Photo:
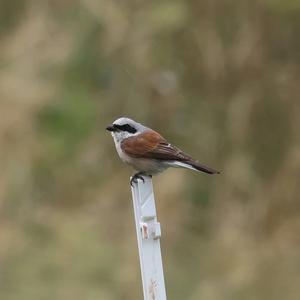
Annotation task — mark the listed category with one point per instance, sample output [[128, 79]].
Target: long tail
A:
[[196, 166]]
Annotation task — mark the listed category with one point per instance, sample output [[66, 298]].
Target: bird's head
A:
[[123, 128]]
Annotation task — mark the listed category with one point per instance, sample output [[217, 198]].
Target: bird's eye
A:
[[126, 127]]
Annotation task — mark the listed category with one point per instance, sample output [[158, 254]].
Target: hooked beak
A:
[[111, 128]]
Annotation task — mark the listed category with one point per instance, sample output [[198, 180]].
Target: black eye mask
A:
[[125, 127]]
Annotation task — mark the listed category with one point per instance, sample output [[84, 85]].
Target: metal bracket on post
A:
[[148, 235]]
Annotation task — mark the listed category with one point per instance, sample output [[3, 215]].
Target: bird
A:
[[148, 152]]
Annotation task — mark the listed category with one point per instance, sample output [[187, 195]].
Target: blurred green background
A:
[[220, 79]]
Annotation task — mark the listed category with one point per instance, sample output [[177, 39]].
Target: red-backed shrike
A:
[[147, 151]]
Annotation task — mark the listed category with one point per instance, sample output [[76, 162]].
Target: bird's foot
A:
[[137, 176]]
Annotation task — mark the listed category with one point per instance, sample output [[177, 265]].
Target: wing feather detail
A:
[[151, 144]]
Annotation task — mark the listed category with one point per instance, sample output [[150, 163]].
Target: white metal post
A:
[[148, 235]]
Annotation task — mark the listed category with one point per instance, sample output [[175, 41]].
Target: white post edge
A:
[[148, 235]]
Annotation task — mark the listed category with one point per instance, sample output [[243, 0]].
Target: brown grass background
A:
[[220, 79]]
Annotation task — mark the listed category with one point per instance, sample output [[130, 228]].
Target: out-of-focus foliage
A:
[[218, 78]]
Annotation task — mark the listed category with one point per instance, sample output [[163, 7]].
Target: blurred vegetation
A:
[[219, 79]]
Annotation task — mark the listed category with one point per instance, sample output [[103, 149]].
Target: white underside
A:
[[154, 166]]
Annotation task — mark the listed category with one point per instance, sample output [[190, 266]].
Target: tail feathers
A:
[[203, 168], [196, 166]]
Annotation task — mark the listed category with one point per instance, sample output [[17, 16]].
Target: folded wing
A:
[[151, 144]]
